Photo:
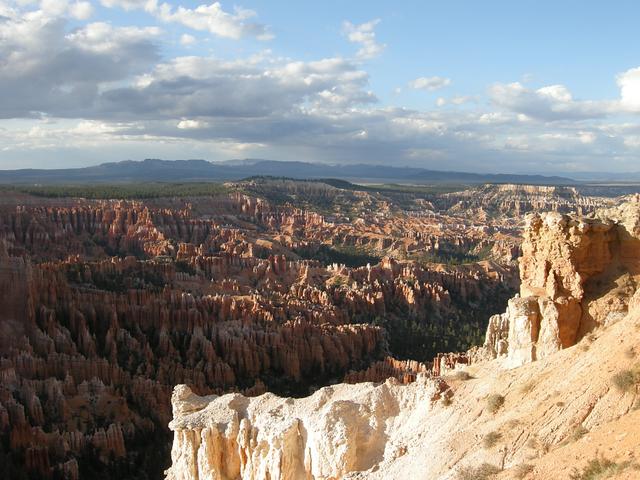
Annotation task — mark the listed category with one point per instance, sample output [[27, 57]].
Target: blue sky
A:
[[495, 86]]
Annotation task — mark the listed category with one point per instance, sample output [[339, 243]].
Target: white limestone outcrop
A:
[[339, 429]]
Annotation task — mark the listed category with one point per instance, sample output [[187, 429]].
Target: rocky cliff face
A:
[[553, 417], [335, 431], [578, 274], [517, 200]]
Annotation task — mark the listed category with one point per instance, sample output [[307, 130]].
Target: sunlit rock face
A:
[[518, 200], [576, 273], [337, 430]]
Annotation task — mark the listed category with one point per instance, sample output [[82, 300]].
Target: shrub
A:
[[514, 422], [490, 439], [625, 380], [576, 434], [494, 402], [462, 375], [483, 472], [600, 468], [522, 470], [527, 387]]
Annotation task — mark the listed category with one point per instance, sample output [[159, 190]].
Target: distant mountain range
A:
[[153, 170]]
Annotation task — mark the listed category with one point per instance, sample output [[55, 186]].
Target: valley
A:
[[264, 285]]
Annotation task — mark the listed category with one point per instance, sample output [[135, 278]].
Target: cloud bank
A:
[[74, 85]]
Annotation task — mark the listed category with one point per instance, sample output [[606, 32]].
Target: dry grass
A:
[[494, 402], [584, 347], [491, 439], [626, 380], [535, 444], [461, 375], [483, 472], [512, 423], [601, 468], [522, 470], [577, 433], [532, 442], [623, 380], [527, 387]]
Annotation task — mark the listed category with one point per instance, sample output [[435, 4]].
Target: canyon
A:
[[275, 288], [540, 399]]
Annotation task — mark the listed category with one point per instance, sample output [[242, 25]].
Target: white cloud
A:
[[81, 10], [186, 39], [587, 137], [102, 37], [456, 100], [61, 134], [365, 36], [559, 93], [202, 87], [47, 70], [429, 83], [632, 141], [550, 103], [186, 124], [462, 99], [125, 4], [629, 83], [54, 8], [496, 118], [210, 18]]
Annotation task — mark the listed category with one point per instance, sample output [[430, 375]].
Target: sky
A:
[[494, 86]]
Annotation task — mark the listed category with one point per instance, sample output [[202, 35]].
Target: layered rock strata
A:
[[517, 200], [577, 273], [337, 430], [106, 305]]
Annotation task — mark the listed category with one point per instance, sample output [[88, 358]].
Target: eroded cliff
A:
[[539, 421], [105, 305], [577, 273]]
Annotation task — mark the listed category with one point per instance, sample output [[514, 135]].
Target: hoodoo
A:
[[576, 274], [578, 314]]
